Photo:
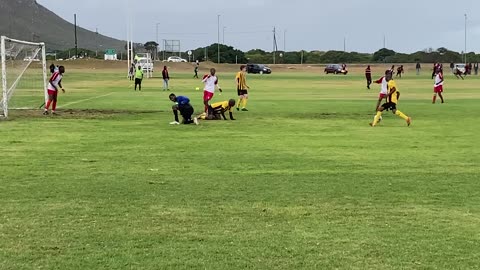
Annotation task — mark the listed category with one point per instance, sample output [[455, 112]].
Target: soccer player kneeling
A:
[[182, 105], [393, 96]]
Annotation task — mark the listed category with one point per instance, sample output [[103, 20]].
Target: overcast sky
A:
[[410, 26]]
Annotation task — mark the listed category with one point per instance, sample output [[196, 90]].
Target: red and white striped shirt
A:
[[210, 83], [53, 84]]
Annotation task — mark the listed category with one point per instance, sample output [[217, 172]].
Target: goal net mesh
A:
[[23, 76]]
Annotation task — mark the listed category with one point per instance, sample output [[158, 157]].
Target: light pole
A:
[[284, 41], [158, 42], [218, 41], [465, 51]]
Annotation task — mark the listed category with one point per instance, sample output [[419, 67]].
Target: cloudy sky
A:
[[408, 25]]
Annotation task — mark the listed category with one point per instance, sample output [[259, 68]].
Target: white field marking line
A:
[[83, 100]]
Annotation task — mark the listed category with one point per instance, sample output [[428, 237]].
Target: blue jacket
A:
[[182, 100]]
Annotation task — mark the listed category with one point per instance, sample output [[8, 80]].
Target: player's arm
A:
[[392, 91], [60, 84], [218, 87], [205, 78], [231, 114], [223, 115], [379, 81]]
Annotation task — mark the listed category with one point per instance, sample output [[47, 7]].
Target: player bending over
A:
[[217, 111], [393, 96], [458, 73], [210, 81], [182, 105], [242, 88], [54, 84], [438, 86]]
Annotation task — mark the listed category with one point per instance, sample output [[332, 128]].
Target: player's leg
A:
[[175, 114], [186, 111], [378, 116], [207, 96], [54, 103], [245, 101], [140, 85], [441, 97], [402, 115], [434, 100]]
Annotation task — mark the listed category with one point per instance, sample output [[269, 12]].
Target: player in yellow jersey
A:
[[217, 110], [391, 104], [242, 88]]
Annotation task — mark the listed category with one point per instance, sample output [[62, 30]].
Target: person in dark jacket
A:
[[166, 78]]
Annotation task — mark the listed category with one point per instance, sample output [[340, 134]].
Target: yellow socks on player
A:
[[377, 118], [402, 115], [245, 100], [239, 103]]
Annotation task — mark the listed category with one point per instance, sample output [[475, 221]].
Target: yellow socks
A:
[[402, 115], [239, 103], [377, 118], [245, 100]]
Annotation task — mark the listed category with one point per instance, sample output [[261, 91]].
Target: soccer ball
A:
[[198, 88]]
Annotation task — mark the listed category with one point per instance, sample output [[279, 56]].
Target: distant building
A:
[[111, 55]]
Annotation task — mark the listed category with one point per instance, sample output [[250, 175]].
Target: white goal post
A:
[[16, 58]]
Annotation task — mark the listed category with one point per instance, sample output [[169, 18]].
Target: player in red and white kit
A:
[[54, 84], [211, 82], [438, 86], [383, 90]]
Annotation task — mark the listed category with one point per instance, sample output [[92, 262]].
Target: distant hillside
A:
[[28, 20]]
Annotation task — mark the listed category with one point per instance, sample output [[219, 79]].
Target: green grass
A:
[[299, 182]]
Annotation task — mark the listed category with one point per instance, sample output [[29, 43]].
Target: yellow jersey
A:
[[241, 80], [393, 97], [221, 107]]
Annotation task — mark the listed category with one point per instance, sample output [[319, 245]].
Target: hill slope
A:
[[28, 20]]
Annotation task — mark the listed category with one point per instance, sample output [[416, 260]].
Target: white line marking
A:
[[83, 100]]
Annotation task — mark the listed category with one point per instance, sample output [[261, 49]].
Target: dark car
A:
[[335, 69], [258, 69]]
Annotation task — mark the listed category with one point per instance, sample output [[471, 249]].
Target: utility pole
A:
[[384, 41], [344, 44], [284, 41], [274, 45], [218, 43], [465, 52], [76, 41], [158, 41]]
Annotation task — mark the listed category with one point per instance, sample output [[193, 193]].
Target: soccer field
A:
[[301, 181]]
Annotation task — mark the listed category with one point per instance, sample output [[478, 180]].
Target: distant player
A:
[[138, 78], [166, 78], [54, 84], [400, 71], [368, 76], [131, 71], [383, 89], [217, 111], [196, 70], [52, 68], [211, 82], [392, 69], [242, 88], [391, 104], [458, 73], [182, 105], [438, 86]]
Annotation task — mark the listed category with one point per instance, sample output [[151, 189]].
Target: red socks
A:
[[48, 104], [54, 105]]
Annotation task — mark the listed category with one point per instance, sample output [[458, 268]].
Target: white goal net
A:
[[24, 75]]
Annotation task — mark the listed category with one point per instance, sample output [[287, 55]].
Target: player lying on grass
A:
[[54, 84], [393, 96], [217, 111], [438, 86], [182, 105]]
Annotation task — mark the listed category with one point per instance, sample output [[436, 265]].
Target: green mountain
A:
[[28, 20]]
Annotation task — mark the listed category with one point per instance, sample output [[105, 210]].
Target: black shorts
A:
[[138, 81], [242, 92], [389, 106], [186, 111]]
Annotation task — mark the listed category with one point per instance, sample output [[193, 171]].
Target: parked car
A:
[[176, 59], [145, 63], [335, 69], [258, 69]]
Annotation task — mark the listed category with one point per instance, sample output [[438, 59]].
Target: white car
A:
[[145, 63], [176, 59]]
